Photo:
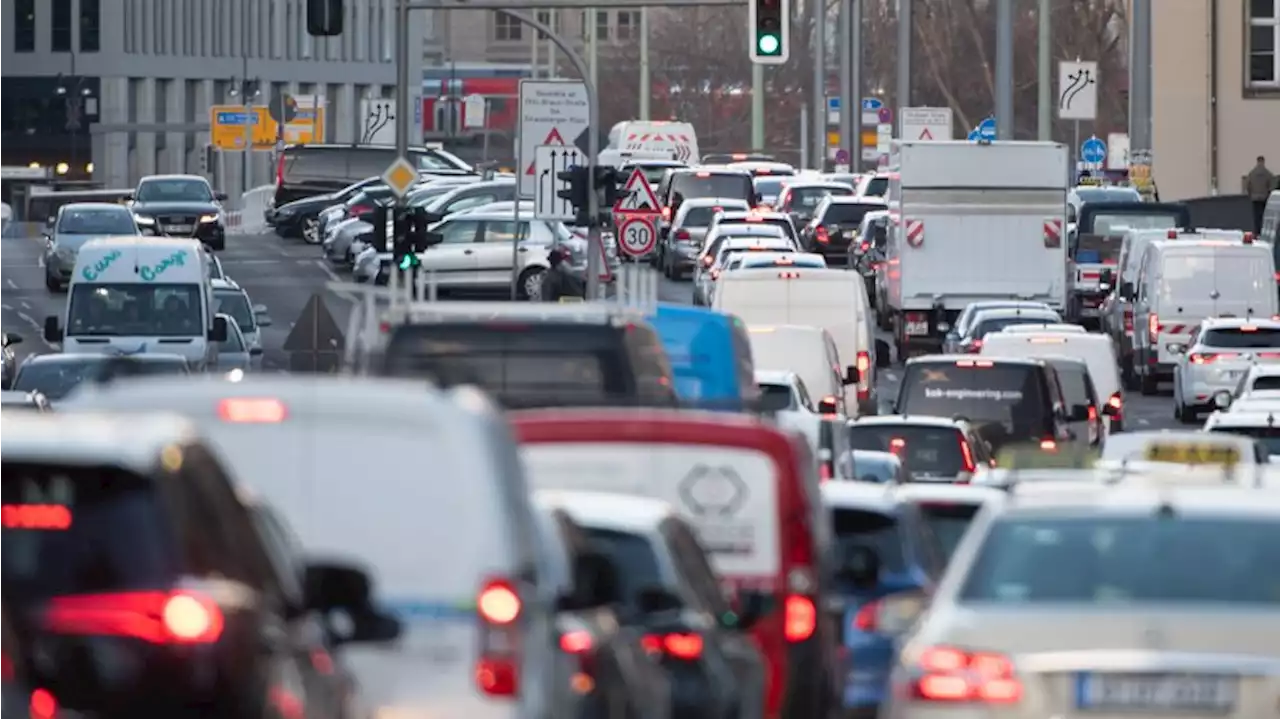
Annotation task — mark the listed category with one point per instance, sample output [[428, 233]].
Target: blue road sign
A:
[[987, 129], [833, 104], [1093, 151], [871, 104], [973, 135], [236, 118], [842, 156]]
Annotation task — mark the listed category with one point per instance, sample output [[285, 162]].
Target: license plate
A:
[[177, 228], [918, 327], [1156, 692]]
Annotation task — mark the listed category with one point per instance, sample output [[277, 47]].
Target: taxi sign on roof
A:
[[400, 176], [1190, 452]]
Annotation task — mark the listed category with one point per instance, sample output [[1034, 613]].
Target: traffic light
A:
[[379, 221], [609, 182], [403, 254], [324, 17], [769, 25], [577, 184]]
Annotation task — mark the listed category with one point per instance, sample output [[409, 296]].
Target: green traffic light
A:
[[409, 261], [768, 44]]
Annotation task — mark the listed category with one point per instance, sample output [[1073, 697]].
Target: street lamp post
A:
[[73, 91]]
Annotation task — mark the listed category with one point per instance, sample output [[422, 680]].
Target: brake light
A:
[[1277, 278], [825, 472], [1153, 328], [831, 400], [864, 246], [683, 235], [966, 455], [50, 517], [1248, 238], [687, 647], [1128, 320], [1048, 445], [280, 170], [666, 213], [864, 375], [820, 234], [703, 173], [974, 345], [1269, 355], [575, 642], [707, 260], [1202, 358], [497, 670], [754, 218], [975, 363], [865, 619], [1173, 234], [179, 617], [952, 675], [43, 705], [897, 444], [1248, 328], [800, 618], [250, 410], [1093, 413], [1115, 401]]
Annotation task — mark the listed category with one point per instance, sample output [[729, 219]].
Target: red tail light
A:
[[1269, 355], [864, 375], [6, 667], [1048, 445], [1210, 357], [666, 213], [897, 445], [683, 235], [1153, 328], [864, 246], [1128, 320], [497, 670], [820, 234], [687, 647], [1115, 401], [866, 620], [825, 473], [1093, 413], [43, 705], [179, 617], [357, 210], [575, 642], [280, 170], [966, 455], [973, 346], [800, 618], [1278, 277], [707, 260], [953, 675]]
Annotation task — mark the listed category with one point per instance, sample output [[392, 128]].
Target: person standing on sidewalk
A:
[[1258, 185]]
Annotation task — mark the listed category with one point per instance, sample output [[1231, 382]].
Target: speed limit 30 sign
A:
[[637, 235]]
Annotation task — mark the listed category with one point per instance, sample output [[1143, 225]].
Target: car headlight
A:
[[213, 217]]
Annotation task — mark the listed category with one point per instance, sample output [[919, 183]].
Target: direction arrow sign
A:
[[552, 112], [871, 104], [1093, 151], [549, 161], [986, 130], [1077, 90], [637, 197]]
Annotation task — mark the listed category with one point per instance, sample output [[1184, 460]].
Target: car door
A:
[[493, 251], [454, 260]]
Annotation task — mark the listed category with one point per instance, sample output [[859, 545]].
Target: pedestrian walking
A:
[[1258, 185]]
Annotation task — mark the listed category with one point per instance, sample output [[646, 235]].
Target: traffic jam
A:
[[557, 505]]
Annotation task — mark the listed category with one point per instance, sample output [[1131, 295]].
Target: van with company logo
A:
[[134, 295]]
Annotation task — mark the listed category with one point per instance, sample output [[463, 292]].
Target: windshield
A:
[[687, 186], [924, 450], [1006, 401], [235, 304], [806, 199], [867, 528], [986, 326], [847, 213], [56, 379], [1117, 560], [634, 558], [135, 309], [947, 523], [876, 187], [174, 191], [1116, 223], [1269, 436], [776, 398], [98, 221], [766, 246]]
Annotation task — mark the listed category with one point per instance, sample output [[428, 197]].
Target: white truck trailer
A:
[[972, 221]]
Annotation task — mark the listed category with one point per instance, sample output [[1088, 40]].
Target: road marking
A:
[[1143, 422], [25, 305], [259, 261], [9, 281], [39, 328]]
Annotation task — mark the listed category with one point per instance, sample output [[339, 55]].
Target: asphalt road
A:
[[284, 274]]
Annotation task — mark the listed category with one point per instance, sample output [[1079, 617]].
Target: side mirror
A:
[[345, 590], [11, 339], [220, 196], [218, 333], [655, 600], [851, 375], [1126, 290], [1176, 348], [884, 356], [50, 222], [255, 351], [52, 332], [828, 405], [859, 565], [595, 583], [752, 607]]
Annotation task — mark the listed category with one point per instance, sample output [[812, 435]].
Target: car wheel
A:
[[311, 230], [530, 284]]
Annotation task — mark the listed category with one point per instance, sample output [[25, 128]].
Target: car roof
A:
[[175, 176], [1102, 497], [803, 182], [775, 376], [710, 169], [1214, 323], [73, 358], [696, 202], [113, 206], [476, 311], [623, 512], [859, 495], [226, 285], [904, 420], [732, 241], [858, 200], [95, 438], [729, 215], [1244, 417], [1003, 312], [953, 359], [945, 492], [1075, 332]]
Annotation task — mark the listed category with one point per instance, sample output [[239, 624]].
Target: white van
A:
[[1095, 350], [132, 295], [289, 440], [1181, 282], [833, 300], [809, 352]]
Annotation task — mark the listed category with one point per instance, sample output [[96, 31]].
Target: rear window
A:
[[1006, 402], [1098, 249], [776, 398], [877, 187], [810, 197], [1235, 338], [924, 450], [847, 213], [79, 530], [351, 163], [1117, 560], [770, 186], [1107, 224], [634, 558], [995, 324], [700, 216], [860, 527], [688, 185], [778, 222], [1074, 380], [1265, 382], [1269, 436], [947, 523]]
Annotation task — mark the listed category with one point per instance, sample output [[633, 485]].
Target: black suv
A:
[[181, 206], [834, 227], [146, 555], [308, 170]]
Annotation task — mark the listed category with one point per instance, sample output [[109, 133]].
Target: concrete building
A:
[[117, 63], [485, 36], [1215, 95]]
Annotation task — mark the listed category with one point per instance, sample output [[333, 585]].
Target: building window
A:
[[90, 40], [61, 26], [628, 25], [1264, 42], [602, 25], [551, 19], [507, 28], [24, 25]]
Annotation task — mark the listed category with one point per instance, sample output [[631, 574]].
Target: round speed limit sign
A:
[[636, 236]]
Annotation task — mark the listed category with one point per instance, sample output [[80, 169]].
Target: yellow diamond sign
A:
[[400, 176]]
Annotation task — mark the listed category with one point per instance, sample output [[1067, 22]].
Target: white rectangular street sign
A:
[[1118, 151], [552, 112], [377, 121], [548, 161], [884, 136], [1077, 90], [927, 123]]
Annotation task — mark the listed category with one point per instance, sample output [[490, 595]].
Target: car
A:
[[1163, 604], [728, 216], [316, 169], [75, 224], [1259, 378], [711, 249], [874, 467], [932, 449], [473, 194], [800, 197], [769, 185], [728, 245], [56, 376], [808, 351], [182, 206], [478, 620], [234, 302], [670, 593], [234, 352], [971, 310], [679, 245], [776, 260], [17, 399], [873, 185], [130, 535], [299, 218], [709, 355], [1259, 424], [682, 184], [8, 359], [340, 226], [785, 399], [833, 230], [1218, 353], [988, 321]]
